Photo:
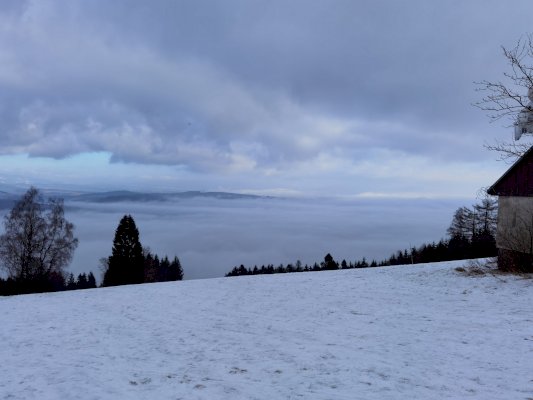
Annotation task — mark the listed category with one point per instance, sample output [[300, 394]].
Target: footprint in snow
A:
[[236, 370]]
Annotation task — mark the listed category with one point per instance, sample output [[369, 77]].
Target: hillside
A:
[[124, 196], [409, 332]]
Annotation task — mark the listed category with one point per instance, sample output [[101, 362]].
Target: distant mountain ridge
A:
[[7, 199], [125, 195]]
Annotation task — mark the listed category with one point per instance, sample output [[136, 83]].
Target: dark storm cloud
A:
[[245, 85]]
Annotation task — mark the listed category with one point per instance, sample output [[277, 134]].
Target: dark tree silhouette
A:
[[329, 263], [175, 272], [91, 281], [82, 281], [38, 242], [151, 267], [71, 282], [126, 263]]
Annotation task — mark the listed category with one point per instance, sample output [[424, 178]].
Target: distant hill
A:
[[8, 198], [124, 195]]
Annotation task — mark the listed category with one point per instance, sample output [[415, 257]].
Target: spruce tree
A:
[[71, 282], [126, 264], [163, 271], [329, 263], [150, 269], [91, 281], [82, 281], [176, 271]]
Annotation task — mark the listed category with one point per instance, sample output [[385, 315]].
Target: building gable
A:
[[518, 180]]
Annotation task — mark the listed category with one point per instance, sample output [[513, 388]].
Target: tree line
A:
[[57, 282], [471, 235], [38, 244], [83, 281]]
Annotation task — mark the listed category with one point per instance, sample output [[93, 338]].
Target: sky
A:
[[322, 98]]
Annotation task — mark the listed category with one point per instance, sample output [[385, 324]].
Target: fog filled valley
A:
[[213, 233]]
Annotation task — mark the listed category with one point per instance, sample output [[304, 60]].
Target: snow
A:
[[408, 332]]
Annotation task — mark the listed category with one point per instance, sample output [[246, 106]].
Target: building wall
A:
[[515, 224]]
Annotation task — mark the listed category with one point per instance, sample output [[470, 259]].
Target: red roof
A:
[[518, 180]]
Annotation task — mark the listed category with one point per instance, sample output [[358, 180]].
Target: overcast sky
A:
[[351, 98]]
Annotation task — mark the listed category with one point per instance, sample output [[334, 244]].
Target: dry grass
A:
[[489, 266], [478, 267]]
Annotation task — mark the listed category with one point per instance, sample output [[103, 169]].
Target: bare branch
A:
[[507, 99], [509, 152]]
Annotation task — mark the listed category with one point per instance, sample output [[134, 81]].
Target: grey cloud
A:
[[247, 85]]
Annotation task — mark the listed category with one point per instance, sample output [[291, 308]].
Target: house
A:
[[514, 237]]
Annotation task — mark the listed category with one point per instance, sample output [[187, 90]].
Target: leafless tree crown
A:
[[37, 240], [505, 99]]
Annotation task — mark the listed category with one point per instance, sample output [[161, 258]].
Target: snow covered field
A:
[[409, 332]]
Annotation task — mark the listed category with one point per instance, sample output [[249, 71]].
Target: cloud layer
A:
[[251, 87], [212, 236]]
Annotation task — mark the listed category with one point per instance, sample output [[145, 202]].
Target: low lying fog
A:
[[211, 236]]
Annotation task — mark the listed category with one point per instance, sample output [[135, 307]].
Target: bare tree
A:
[[38, 241], [506, 99], [486, 214], [482, 218], [463, 223]]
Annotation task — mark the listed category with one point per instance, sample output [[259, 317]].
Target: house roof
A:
[[517, 180]]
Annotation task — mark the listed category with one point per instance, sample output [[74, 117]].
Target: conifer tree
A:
[[487, 216], [82, 281], [329, 263], [91, 281], [151, 268], [164, 266], [298, 266], [463, 223], [126, 264], [176, 271], [71, 282]]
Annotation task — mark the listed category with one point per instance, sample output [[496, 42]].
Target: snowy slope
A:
[[410, 332]]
